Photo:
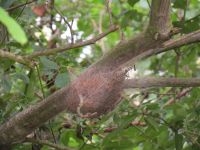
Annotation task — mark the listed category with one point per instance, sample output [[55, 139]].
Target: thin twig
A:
[[178, 96], [72, 46], [16, 58], [148, 3], [109, 11], [21, 10], [44, 142], [20, 5], [43, 97], [69, 26], [40, 81], [51, 7]]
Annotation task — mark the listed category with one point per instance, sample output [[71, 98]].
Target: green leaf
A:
[[69, 138], [180, 4], [61, 80], [148, 145], [152, 123], [13, 27], [124, 144], [163, 136], [189, 25], [22, 76], [6, 83], [178, 141], [29, 90], [48, 64], [6, 3], [132, 2]]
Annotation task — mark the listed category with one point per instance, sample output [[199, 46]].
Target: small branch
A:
[[161, 82], [109, 11], [72, 46], [20, 5], [178, 57], [22, 10], [192, 37], [187, 39], [44, 142], [193, 18], [183, 93], [148, 3], [69, 26], [133, 123], [16, 58]]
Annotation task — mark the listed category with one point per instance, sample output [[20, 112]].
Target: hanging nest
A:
[[97, 92]]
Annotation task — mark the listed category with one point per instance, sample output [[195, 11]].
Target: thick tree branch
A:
[[160, 23], [72, 46], [16, 129], [161, 82]]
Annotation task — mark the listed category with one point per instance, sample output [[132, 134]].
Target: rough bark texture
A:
[[160, 24], [97, 90]]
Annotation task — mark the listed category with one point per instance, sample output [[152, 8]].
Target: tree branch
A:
[[190, 38], [72, 46], [25, 59], [160, 23], [20, 5], [15, 58], [161, 82], [181, 94], [15, 129], [187, 39]]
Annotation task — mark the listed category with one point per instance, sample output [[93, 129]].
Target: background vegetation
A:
[[147, 119]]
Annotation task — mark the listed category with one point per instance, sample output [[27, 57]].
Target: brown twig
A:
[[20, 5], [20, 13], [44, 142], [72, 46], [178, 96], [69, 26], [133, 123], [16, 58]]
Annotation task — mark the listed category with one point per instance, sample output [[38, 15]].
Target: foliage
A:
[[142, 121], [16, 32]]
